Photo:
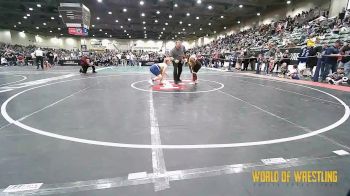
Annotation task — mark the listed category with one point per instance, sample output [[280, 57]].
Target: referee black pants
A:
[[41, 60], [177, 71]]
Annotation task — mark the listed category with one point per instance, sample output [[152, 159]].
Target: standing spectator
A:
[[312, 59], [331, 57], [320, 51], [259, 63], [341, 15], [345, 50], [303, 55]]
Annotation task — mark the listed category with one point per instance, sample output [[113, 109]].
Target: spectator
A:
[[330, 61]]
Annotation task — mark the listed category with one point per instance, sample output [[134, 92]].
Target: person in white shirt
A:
[[39, 55]]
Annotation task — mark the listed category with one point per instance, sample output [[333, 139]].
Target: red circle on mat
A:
[[171, 86]]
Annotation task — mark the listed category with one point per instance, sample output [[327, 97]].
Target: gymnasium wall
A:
[[337, 6], [22, 38]]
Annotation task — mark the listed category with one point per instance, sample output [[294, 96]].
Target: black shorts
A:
[[196, 66]]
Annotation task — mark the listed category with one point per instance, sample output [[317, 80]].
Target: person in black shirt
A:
[[50, 57], [341, 15]]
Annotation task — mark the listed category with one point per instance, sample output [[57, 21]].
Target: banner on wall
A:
[[77, 31], [83, 48]]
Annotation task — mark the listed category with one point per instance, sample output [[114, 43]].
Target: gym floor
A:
[[111, 133]]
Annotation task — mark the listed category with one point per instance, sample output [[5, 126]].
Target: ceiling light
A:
[[25, 17], [175, 35], [180, 22], [258, 14], [142, 14], [214, 31], [145, 32], [109, 13], [93, 25], [289, 2], [178, 33], [129, 36], [197, 18], [224, 27], [142, 2], [129, 19], [106, 33], [100, 1], [183, 29], [144, 28], [238, 22], [38, 5], [161, 32], [37, 27], [209, 24], [110, 36], [200, 29], [50, 31], [188, 14], [60, 16], [199, 1], [189, 25], [59, 29], [116, 20], [222, 17], [124, 31], [125, 10], [166, 23], [163, 29], [28, 14], [62, 34], [210, 7], [172, 38], [121, 27], [19, 23], [93, 35], [144, 22], [156, 21], [97, 18], [52, 18], [240, 6], [31, 9], [44, 23], [158, 12], [170, 16], [175, 5], [100, 30]]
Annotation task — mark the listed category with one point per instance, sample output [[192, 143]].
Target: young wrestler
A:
[[195, 66], [294, 74], [159, 70]]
